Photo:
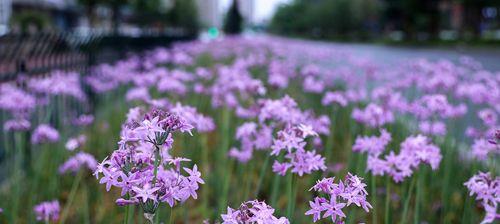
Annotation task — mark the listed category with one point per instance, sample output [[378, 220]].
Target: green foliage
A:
[[233, 21], [184, 14], [325, 18], [24, 20]]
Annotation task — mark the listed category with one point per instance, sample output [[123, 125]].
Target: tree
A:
[[184, 14], [234, 21]]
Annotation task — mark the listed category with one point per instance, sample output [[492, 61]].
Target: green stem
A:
[[408, 199], [127, 212], [205, 166], [374, 198], [86, 213], [418, 199], [72, 196], [275, 189], [225, 189], [291, 190], [157, 164], [157, 218], [261, 176], [170, 217], [388, 201]]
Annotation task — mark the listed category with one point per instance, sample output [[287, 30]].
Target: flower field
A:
[[261, 130]]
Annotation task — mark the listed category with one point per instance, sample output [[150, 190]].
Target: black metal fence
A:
[[38, 54]]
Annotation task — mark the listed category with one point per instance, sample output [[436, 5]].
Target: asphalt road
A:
[[488, 56]]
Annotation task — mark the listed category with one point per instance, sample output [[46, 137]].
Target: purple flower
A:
[[337, 196], [75, 163], [17, 125], [84, 120], [145, 192], [142, 166], [301, 162], [58, 83], [371, 144], [487, 191], [373, 115], [138, 93], [16, 101], [281, 168], [252, 212], [200, 122], [482, 148], [44, 133], [436, 128], [414, 151], [488, 116], [334, 97], [47, 211], [74, 143]]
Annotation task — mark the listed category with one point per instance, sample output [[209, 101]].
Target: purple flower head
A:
[[292, 141], [44, 133], [336, 196], [75, 163], [139, 94], [437, 128], [74, 143], [16, 101], [200, 122], [58, 83], [17, 125], [163, 121], [142, 166], [487, 191], [488, 116], [334, 98], [84, 120], [47, 211], [436, 105], [481, 149], [373, 115], [372, 145], [414, 151], [252, 212]]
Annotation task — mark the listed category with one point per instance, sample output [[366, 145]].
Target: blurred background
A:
[[77, 34], [346, 20]]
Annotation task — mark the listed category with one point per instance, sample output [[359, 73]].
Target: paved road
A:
[[488, 56]]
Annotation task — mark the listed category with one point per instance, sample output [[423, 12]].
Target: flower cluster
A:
[[373, 115], [58, 83], [482, 148], [20, 124], [276, 115], [301, 161], [487, 191], [251, 137], [15, 100], [76, 142], [252, 212], [338, 196], [44, 133], [334, 98], [200, 122], [83, 120], [372, 145], [414, 151], [47, 211], [75, 163], [143, 167]]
